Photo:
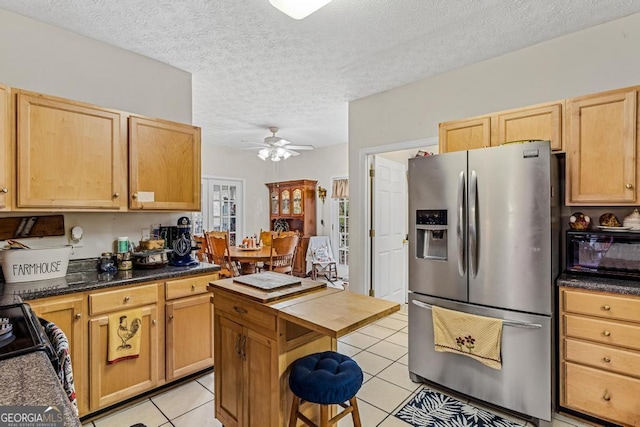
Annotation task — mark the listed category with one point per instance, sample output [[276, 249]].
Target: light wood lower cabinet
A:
[[188, 326], [112, 383], [600, 355], [247, 362], [69, 313]]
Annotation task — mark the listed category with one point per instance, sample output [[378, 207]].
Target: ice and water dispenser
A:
[[431, 230]]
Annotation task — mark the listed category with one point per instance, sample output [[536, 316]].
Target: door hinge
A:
[[372, 172], [372, 233]]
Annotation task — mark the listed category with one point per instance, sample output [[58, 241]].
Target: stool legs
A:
[[293, 419], [324, 414], [356, 413]]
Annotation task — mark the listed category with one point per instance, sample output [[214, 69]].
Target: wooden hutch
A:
[[294, 203]]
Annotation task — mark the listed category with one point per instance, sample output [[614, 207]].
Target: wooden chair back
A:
[[283, 252], [218, 243], [266, 236], [288, 233], [203, 252]]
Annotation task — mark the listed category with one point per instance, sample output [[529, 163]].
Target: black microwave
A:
[[604, 253]]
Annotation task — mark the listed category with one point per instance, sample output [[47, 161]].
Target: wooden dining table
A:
[[248, 257]]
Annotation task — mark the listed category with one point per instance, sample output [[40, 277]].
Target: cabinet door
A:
[[189, 335], [68, 313], [69, 154], [285, 202], [261, 367], [5, 148], [111, 383], [465, 134], [164, 165], [540, 122], [297, 206], [601, 149], [275, 202], [229, 374]]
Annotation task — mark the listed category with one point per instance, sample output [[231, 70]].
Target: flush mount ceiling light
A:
[[298, 9], [276, 148]]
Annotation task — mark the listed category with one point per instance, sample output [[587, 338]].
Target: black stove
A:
[[22, 333]]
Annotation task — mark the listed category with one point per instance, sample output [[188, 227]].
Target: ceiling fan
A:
[[276, 148]]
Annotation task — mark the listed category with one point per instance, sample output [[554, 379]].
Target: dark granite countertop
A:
[[85, 280], [29, 380], [595, 283]]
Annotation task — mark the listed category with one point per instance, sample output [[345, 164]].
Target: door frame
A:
[[365, 157], [243, 198]]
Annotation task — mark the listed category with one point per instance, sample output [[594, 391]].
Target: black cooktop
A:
[[20, 331]]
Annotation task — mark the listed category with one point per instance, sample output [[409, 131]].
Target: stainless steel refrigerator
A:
[[484, 236]]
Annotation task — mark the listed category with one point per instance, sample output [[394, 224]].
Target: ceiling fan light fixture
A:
[[298, 9], [264, 153], [286, 155]]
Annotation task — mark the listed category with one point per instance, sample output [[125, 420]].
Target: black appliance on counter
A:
[[22, 333], [183, 245], [604, 253]]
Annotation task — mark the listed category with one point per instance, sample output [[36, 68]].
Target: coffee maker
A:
[[183, 245]]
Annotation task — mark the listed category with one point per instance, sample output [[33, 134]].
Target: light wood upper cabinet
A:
[[465, 134], [602, 164], [537, 122], [164, 165], [5, 148], [70, 155]]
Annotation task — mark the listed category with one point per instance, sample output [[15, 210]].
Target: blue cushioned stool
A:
[[326, 378]]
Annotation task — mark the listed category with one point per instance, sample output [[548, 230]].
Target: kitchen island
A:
[[258, 334]]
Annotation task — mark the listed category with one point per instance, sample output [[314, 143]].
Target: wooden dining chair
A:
[[203, 254], [283, 252], [218, 243], [266, 236]]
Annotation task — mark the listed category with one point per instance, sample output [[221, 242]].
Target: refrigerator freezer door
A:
[[437, 191], [511, 261], [524, 383]]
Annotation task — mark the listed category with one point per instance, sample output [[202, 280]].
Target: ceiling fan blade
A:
[[293, 153], [253, 148], [281, 143], [300, 147]]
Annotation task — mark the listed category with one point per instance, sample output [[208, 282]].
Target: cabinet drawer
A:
[[248, 312], [604, 331], [105, 302], [602, 394], [602, 305], [188, 286], [603, 356]]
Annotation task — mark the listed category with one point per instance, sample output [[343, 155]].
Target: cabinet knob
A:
[[606, 359], [606, 333], [134, 196], [171, 317], [629, 186], [78, 315], [4, 190], [240, 310], [127, 299], [193, 287], [153, 322], [606, 396], [116, 195], [606, 307]]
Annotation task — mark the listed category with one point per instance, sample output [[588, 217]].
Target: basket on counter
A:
[[25, 265]]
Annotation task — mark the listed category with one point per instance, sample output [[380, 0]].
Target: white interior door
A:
[[389, 219]]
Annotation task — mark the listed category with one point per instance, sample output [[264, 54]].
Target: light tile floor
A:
[[380, 350]]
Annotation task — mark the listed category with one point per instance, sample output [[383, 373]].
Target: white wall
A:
[[320, 164], [596, 59], [42, 58]]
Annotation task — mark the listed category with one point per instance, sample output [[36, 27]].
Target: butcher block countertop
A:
[[329, 311]]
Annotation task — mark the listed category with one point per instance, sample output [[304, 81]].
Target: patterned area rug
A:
[[433, 409]]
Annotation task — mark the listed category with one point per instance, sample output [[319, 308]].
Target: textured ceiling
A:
[[254, 67]]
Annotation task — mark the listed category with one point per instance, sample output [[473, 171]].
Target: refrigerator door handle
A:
[[505, 322], [460, 227], [473, 226]]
